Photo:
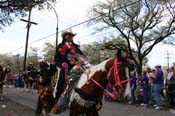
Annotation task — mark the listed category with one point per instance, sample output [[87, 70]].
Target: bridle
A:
[[118, 82]]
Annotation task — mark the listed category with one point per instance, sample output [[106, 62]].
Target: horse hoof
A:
[[1, 98], [55, 109]]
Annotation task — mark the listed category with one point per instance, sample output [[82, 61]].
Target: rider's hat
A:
[[69, 32]]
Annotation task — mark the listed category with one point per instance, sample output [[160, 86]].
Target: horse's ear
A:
[[119, 54]]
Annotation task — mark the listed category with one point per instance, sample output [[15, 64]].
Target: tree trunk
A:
[[139, 66]]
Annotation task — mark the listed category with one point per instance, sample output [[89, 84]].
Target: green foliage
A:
[[100, 51], [12, 60], [91, 53], [33, 58], [49, 52]]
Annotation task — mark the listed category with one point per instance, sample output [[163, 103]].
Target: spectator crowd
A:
[[153, 87]]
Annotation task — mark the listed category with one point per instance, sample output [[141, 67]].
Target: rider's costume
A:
[[62, 56]]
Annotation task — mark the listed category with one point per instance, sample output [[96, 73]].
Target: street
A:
[[17, 102]]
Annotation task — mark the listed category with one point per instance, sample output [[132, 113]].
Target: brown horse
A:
[[45, 88], [2, 78], [86, 99]]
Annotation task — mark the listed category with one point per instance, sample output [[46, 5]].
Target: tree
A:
[[105, 49], [33, 57], [142, 24], [88, 50], [49, 52], [12, 60], [118, 43], [11, 9]]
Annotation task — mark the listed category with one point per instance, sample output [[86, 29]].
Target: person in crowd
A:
[[158, 84], [8, 70], [63, 57], [30, 79], [15, 80], [170, 81], [133, 85], [150, 74], [146, 88], [1, 85], [20, 80]]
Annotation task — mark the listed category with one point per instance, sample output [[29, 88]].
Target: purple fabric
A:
[[133, 81], [159, 77], [145, 80]]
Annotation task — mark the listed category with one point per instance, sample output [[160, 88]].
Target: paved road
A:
[[20, 103]]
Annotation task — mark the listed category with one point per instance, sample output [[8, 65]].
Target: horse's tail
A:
[[39, 107]]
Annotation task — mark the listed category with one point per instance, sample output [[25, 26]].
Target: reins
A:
[[118, 82]]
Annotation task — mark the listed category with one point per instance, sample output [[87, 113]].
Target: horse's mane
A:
[[99, 67], [46, 72]]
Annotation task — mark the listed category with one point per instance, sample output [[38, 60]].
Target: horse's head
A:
[[47, 71], [118, 74]]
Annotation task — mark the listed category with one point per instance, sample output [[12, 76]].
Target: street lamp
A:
[[57, 21]]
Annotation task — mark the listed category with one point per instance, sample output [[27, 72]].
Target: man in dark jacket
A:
[[30, 78], [170, 80], [66, 47]]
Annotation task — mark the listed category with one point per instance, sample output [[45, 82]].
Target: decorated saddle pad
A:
[[74, 76], [76, 73]]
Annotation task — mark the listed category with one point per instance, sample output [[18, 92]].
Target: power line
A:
[[91, 35], [76, 25]]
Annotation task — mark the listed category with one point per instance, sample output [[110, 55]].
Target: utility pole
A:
[[168, 59], [17, 63], [29, 23]]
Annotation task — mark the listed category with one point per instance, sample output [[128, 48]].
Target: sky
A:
[[70, 12]]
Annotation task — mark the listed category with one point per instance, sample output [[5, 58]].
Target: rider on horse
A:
[[63, 55]]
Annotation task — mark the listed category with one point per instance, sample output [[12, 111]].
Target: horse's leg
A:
[[44, 113], [1, 92], [92, 113], [73, 113], [39, 107]]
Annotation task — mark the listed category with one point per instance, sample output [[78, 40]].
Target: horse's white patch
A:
[[84, 77], [127, 91], [82, 81]]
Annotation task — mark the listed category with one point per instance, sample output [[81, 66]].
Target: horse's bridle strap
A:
[[106, 91], [118, 82]]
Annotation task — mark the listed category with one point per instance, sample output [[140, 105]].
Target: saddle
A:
[[71, 81]]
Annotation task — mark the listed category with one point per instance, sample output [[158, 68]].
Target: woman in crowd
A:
[[150, 74], [146, 88], [133, 86], [170, 80]]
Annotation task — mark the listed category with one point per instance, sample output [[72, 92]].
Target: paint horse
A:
[[45, 88], [2, 78], [86, 98]]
